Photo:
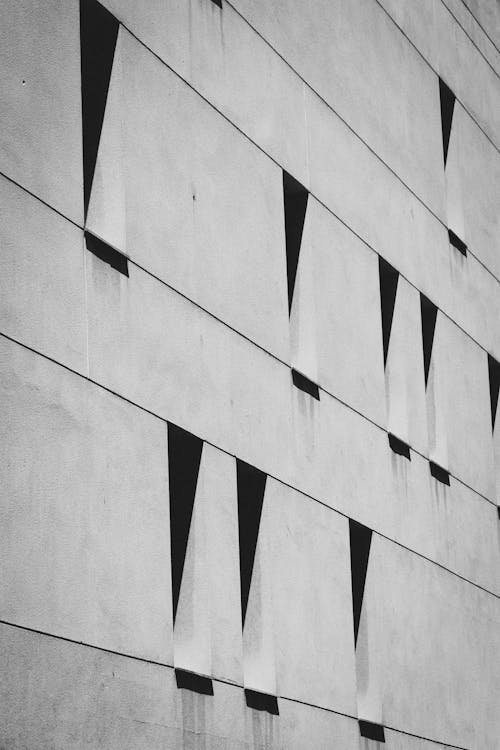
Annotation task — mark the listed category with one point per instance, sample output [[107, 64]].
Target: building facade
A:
[[249, 374]]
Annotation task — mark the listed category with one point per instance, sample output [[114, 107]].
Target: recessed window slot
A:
[[106, 253], [304, 384], [439, 473], [196, 682], [262, 701], [457, 242], [398, 446], [371, 731]]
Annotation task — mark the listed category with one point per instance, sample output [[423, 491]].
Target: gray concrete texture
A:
[[206, 106]]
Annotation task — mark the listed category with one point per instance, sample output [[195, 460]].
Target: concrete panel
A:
[[85, 520], [346, 176], [230, 62], [435, 33], [479, 170], [174, 359], [425, 634], [41, 140], [207, 633], [304, 343], [481, 36], [42, 282], [259, 637], [339, 457], [365, 69], [451, 525], [203, 207], [404, 371], [348, 313], [73, 696], [459, 408], [311, 585]]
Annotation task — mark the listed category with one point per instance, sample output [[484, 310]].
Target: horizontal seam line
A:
[[221, 680], [233, 455]]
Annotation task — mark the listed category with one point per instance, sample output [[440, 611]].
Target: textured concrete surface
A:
[[206, 107]]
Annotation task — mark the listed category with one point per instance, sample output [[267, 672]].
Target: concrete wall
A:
[[205, 107]]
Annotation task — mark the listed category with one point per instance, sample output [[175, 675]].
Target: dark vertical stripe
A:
[[98, 35], [360, 538], [295, 202], [447, 100], [251, 485], [388, 277], [184, 456], [428, 313], [494, 377]]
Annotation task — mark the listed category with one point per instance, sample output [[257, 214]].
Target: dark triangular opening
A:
[[262, 701], [388, 287], [428, 313], [371, 731], [251, 484], [106, 253], [494, 374], [360, 540], [447, 99], [304, 384], [295, 201], [184, 456], [98, 35]]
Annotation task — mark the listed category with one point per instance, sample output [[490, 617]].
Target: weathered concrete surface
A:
[[85, 551], [424, 636], [41, 137], [42, 283], [207, 633], [213, 202]]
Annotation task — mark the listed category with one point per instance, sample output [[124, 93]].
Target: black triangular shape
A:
[[447, 99], [494, 374], [428, 313], [295, 201], [360, 540], [388, 287], [184, 456], [251, 484], [98, 35]]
